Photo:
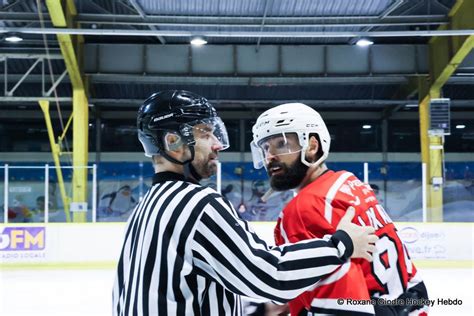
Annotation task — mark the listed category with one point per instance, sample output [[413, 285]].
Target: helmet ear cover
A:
[[172, 141]]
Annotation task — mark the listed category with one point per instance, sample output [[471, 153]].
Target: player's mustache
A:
[[274, 164]]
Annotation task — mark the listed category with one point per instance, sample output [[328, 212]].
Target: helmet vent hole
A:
[[282, 123]]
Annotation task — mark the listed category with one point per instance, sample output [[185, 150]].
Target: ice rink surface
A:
[[88, 292]]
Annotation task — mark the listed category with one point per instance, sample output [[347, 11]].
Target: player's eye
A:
[[281, 144]]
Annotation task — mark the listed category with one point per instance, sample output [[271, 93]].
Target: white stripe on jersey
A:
[[282, 230], [332, 193], [336, 275]]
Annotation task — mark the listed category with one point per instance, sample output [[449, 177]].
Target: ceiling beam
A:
[[235, 20], [245, 80], [238, 33], [10, 102]]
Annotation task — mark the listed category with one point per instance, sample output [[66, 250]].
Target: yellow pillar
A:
[[62, 14], [80, 150], [432, 154], [56, 152]]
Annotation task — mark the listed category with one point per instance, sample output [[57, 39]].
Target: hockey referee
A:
[[186, 251]]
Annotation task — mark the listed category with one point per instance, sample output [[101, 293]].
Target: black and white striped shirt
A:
[[187, 252]]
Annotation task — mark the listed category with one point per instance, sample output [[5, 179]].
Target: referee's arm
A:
[[226, 250]]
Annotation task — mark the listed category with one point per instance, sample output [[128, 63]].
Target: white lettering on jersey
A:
[[346, 189], [355, 183], [361, 221], [374, 222], [370, 199], [383, 214], [356, 201]]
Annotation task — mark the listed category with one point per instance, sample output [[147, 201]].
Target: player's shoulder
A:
[[346, 182], [328, 182]]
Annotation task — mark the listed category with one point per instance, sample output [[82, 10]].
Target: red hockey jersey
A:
[[315, 212]]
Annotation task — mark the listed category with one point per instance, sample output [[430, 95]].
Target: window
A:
[[355, 136], [461, 139], [120, 136], [404, 136], [233, 129]]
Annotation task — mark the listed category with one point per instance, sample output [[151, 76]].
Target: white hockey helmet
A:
[[296, 118]]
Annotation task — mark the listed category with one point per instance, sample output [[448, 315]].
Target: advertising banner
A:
[[89, 244], [22, 244]]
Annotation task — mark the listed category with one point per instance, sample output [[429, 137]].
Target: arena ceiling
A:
[[258, 53]]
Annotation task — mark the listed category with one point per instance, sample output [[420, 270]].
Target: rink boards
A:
[[88, 245]]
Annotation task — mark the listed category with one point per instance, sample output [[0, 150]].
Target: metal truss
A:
[[12, 81]]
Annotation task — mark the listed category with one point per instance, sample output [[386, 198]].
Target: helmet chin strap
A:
[[190, 173]]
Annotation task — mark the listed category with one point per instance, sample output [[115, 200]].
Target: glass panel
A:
[[404, 191], [56, 212], [458, 192], [25, 187], [120, 187], [244, 187], [378, 182]]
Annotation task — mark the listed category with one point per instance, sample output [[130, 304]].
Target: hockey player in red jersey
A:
[[292, 142]]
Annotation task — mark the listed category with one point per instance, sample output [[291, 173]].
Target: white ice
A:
[[88, 292]]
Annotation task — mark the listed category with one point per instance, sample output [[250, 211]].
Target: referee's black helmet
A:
[[175, 111]]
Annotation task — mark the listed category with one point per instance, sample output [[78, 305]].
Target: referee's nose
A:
[[216, 144]]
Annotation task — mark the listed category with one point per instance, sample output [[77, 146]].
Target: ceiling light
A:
[[13, 38], [411, 105], [366, 126], [363, 42], [198, 41], [460, 126]]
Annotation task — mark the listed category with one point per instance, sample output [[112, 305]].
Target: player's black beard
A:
[[290, 177]]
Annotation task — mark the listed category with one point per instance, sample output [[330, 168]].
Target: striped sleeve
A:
[[227, 251]]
